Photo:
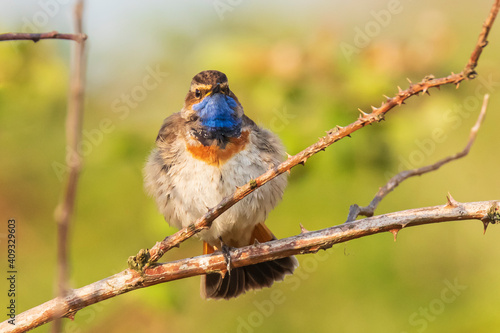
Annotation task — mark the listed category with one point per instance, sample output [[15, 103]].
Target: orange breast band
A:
[[214, 155]]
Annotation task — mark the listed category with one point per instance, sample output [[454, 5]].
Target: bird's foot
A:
[[226, 252]]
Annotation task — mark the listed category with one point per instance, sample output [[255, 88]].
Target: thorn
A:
[[302, 229], [405, 224], [451, 202], [338, 128], [380, 117], [373, 108], [386, 97], [400, 90], [439, 87], [401, 101], [485, 224], [303, 162], [429, 77], [256, 241], [409, 81], [362, 112], [288, 155], [457, 84], [71, 316], [395, 233], [363, 115]]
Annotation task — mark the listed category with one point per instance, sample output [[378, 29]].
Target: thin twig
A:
[[355, 210], [308, 242], [79, 37], [65, 209], [332, 136], [482, 41]]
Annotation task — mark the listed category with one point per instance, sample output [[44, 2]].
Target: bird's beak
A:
[[214, 90]]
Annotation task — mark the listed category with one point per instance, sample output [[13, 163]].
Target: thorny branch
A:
[[79, 37], [332, 136], [482, 41], [355, 210], [306, 242]]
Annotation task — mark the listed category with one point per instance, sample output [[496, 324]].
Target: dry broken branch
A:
[[355, 210]]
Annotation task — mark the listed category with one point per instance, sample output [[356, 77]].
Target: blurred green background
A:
[[298, 69]]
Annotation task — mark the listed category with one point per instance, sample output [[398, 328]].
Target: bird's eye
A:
[[197, 93]]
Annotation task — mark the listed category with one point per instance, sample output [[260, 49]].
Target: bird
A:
[[202, 154]]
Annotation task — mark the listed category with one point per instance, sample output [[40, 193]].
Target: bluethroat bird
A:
[[202, 154]]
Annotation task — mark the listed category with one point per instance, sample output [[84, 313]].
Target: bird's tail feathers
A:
[[242, 279]]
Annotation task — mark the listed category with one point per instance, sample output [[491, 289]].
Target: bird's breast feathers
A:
[[215, 154], [199, 177]]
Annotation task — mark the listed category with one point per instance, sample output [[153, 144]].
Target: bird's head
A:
[[212, 106]]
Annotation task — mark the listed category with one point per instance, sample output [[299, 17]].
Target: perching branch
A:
[[332, 136], [64, 210], [306, 242], [355, 210], [78, 37]]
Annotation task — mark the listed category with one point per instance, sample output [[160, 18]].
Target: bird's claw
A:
[[226, 252]]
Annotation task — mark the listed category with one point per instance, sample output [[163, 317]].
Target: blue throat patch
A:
[[217, 114]]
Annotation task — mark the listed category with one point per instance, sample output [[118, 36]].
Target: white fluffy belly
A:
[[188, 189]]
